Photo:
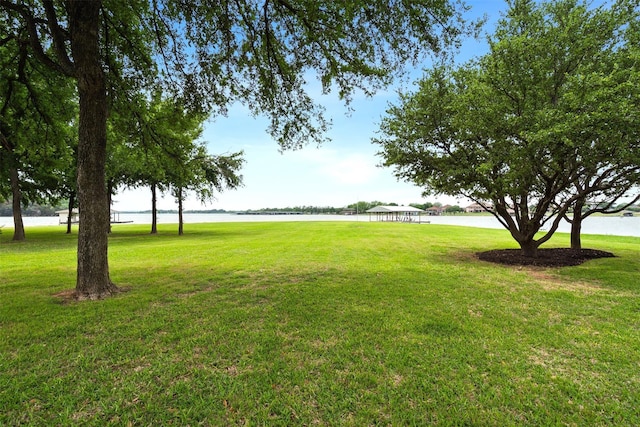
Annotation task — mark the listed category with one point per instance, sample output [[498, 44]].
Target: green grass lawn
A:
[[303, 323]]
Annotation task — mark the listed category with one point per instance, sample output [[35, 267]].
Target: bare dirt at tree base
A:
[[552, 257]]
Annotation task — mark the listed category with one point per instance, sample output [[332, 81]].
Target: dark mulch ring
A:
[[552, 257]]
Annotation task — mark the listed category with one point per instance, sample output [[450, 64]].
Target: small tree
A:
[[604, 126], [435, 140], [148, 141], [205, 175]]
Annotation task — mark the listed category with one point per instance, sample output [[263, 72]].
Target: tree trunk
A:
[[576, 241], [72, 202], [93, 280], [529, 248], [154, 210], [576, 225], [180, 227], [18, 225], [522, 232], [109, 188]]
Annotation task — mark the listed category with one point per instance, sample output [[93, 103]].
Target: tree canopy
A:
[[520, 129]]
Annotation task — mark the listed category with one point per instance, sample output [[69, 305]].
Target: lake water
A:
[[608, 225]]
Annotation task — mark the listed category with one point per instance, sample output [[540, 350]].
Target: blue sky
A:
[[337, 173]]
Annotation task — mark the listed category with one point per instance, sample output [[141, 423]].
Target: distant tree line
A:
[[357, 207], [34, 209]]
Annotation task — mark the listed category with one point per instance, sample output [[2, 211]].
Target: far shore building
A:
[[474, 208], [395, 213], [63, 216]]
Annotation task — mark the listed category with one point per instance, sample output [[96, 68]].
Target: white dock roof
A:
[[385, 209]]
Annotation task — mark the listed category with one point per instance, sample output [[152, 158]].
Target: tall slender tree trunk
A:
[[180, 222], [93, 280], [109, 200], [72, 203], [154, 209], [18, 225]]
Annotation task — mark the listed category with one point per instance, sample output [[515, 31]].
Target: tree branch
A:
[[66, 66], [59, 37]]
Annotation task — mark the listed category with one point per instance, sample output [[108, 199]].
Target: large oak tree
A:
[[212, 53]]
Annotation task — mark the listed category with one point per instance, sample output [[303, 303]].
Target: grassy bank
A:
[[318, 323]]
